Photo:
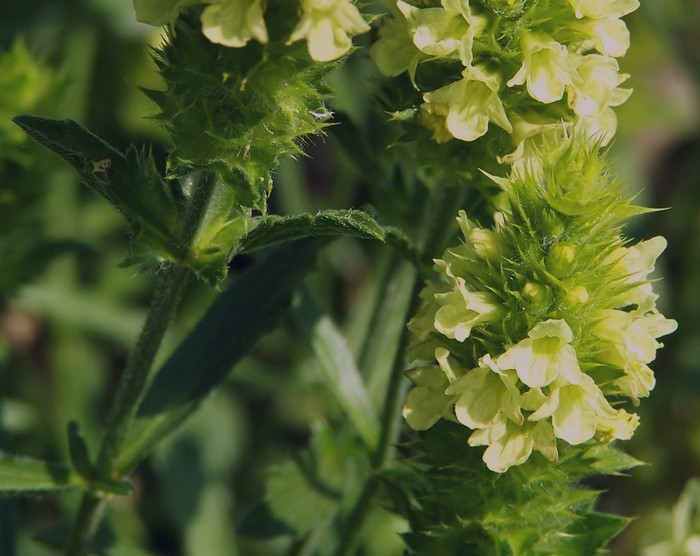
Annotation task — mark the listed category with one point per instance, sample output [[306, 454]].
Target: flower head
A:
[[545, 315]]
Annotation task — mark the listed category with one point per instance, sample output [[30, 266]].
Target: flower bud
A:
[[560, 259]]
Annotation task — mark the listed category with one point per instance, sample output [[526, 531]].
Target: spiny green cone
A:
[[233, 113], [538, 327], [237, 111]]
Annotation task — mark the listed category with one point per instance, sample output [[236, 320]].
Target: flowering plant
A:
[[504, 296]]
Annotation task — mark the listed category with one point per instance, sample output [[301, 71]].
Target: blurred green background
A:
[[68, 318]]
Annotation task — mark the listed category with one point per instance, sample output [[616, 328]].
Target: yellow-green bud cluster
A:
[[522, 66], [326, 25], [536, 328]]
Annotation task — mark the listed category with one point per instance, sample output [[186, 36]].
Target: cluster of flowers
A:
[[535, 324], [523, 65], [327, 25]]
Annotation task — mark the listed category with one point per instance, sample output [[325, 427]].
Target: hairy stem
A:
[[435, 232], [169, 287], [390, 427], [168, 290]]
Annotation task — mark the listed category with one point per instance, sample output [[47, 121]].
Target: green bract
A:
[[544, 323]]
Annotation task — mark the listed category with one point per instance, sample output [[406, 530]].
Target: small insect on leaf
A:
[[102, 166]]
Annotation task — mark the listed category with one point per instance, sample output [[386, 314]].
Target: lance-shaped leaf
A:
[[130, 182], [24, 476], [249, 308], [277, 229], [272, 230], [338, 368]]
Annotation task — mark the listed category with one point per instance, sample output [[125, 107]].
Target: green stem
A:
[[390, 428], [170, 284], [168, 290], [439, 217], [169, 287]]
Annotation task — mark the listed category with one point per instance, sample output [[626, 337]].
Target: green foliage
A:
[[249, 308], [307, 428], [26, 84], [129, 182], [338, 366], [24, 476]]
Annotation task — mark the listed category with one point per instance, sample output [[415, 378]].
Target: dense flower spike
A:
[[532, 68], [544, 323]]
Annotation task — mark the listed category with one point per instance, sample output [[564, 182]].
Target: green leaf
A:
[[129, 182], [23, 476], [277, 229], [294, 501], [79, 454], [105, 543], [337, 365], [593, 532], [249, 308], [609, 460]]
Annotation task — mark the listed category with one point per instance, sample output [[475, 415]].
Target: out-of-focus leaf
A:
[[337, 364], [23, 476], [231, 327], [79, 454], [294, 503], [105, 544]]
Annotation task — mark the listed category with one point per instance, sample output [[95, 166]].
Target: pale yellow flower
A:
[[631, 340], [580, 412], [463, 109], [430, 399], [546, 354], [599, 85], [234, 22], [327, 25], [510, 444], [394, 51], [441, 32], [486, 395], [608, 36], [460, 310], [633, 265], [603, 9], [546, 69]]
